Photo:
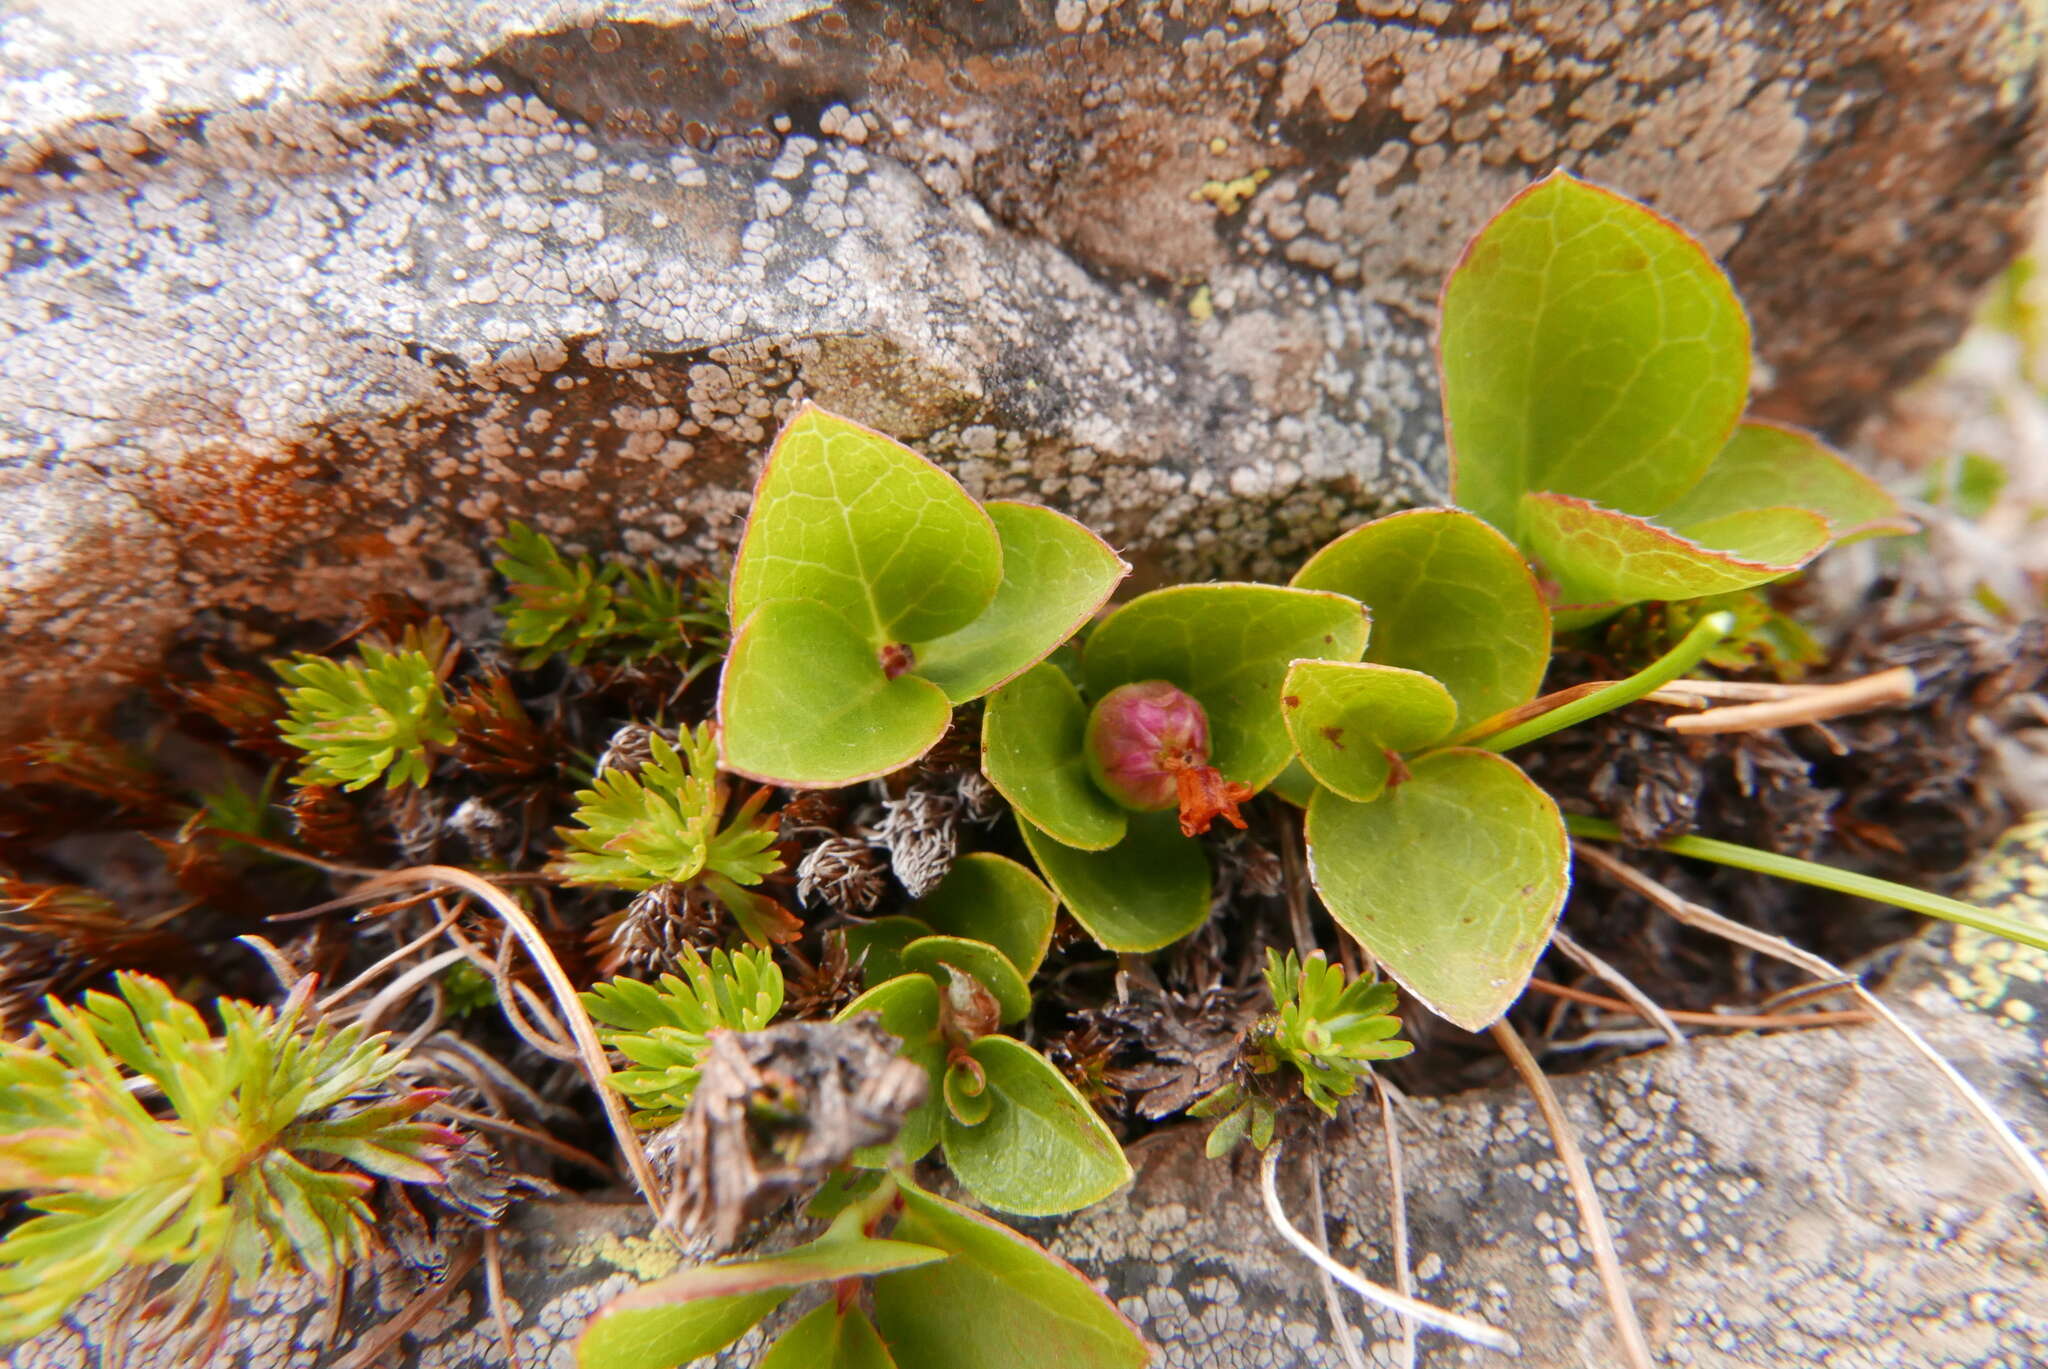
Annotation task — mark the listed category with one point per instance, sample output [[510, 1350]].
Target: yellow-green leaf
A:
[[1149, 890], [1767, 464], [1041, 1149], [1346, 719], [992, 898], [1032, 749]]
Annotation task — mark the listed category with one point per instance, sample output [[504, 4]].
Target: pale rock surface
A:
[[305, 300]]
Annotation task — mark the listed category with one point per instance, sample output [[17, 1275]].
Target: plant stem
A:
[[1708, 633], [1828, 877]]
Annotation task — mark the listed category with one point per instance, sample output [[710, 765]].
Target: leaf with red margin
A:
[[1767, 464]]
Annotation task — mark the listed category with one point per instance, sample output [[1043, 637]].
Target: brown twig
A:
[[370, 1350], [494, 1293], [1739, 1021], [1816, 705], [1397, 1215], [1592, 1221], [1643, 1003]]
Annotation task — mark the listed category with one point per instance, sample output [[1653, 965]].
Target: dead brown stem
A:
[[1816, 705]]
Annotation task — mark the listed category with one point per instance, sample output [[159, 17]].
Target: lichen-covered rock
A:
[[1809, 1198], [304, 301]]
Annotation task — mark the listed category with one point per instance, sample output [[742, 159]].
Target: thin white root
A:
[[1622, 985], [580, 1026], [1465, 1328], [1397, 1215], [1707, 920], [1816, 705], [1592, 1221]]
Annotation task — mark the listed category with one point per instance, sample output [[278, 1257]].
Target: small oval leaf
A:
[[804, 702], [1032, 738], [1345, 719], [1768, 464], [1029, 1309], [1449, 597], [1229, 645], [850, 517], [1452, 880], [1056, 573], [992, 898], [1042, 1149], [877, 946], [1591, 348], [1149, 890], [939, 955]]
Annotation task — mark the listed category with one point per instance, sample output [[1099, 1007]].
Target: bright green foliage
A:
[[1452, 880], [576, 610], [663, 1029], [993, 899], [871, 594], [1450, 597], [1595, 366], [358, 719], [999, 1301], [1016, 1134], [1761, 637], [1327, 1028], [1351, 722], [224, 1178], [1132, 879], [661, 825]]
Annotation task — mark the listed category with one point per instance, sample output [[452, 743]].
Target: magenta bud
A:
[[1139, 737]]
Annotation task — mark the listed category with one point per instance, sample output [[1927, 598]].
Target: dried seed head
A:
[[488, 832], [1139, 736], [922, 832], [630, 747], [980, 802], [842, 874], [659, 923]]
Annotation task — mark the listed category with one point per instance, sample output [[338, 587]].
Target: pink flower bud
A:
[[1139, 737]]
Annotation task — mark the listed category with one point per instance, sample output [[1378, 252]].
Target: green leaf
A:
[[1453, 880], [1449, 597], [1766, 465], [878, 945], [1602, 560], [670, 1321], [1042, 1150], [804, 702], [1345, 719], [992, 898], [846, 516], [1014, 1306], [827, 1338], [1147, 891], [1294, 784], [1228, 645], [1033, 750], [909, 1008], [989, 967], [1056, 573], [1591, 348], [967, 1097]]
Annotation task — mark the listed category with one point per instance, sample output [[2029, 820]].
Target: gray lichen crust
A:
[[1808, 1198], [306, 301]]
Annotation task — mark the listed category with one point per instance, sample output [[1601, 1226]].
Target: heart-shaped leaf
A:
[[1601, 560], [992, 898], [1056, 573], [877, 946], [937, 956], [829, 1338], [1766, 465], [850, 517], [1350, 722], [1150, 889], [1452, 880], [1029, 1310], [1228, 645], [673, 1320], [1032, 750], [909, 1008], [1042, 1149], [1449, 597], [1589, 347], [804, 702]]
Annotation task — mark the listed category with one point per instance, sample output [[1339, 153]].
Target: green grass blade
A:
[[1706, 634]]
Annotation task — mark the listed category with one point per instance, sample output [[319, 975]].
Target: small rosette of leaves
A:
[[575, 609], [872, 594], [1325, 1027], [1197, 669], [229, 1170], [377, 716], [1596, 365], [664, 1028], [660, 824]]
